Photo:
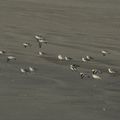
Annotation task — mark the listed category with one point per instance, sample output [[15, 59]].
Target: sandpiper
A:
[[95, 76], [41, 53], [84, 59], [88, 58], [111, 71], [60, 57], [38, 37], [67, 58], [82, 75], [41, 41], [104, 52], [31, 69], [95, 71], [74, 67], [2, 52], [23, 70], [10, 58], [27, 44]]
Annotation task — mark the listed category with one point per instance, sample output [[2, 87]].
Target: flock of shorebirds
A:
[[74, 67]]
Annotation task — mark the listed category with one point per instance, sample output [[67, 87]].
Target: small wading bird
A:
[[23, 70], [2, 52], [67, 58], [10, 58], [74, 67], [84, 59], [88, 58], [82, 75], [60, 57], [27, 45], [95, 71], [41, 53], [40, 40], [31, 69], [38, 37], [111, 71], [95, 76], [104, 53]]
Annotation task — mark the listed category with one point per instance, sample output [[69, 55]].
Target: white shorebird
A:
[[82, 75], [74, 67], [2, 52], [41, 41], [41, 53], [95, 76], [104, 53], [23, 70], [10, 58], [67, 58], [60, 57], [111, 71], [84, 59], [31, 69], [38, 37], [88, 58], [27, 44], [95, 71]]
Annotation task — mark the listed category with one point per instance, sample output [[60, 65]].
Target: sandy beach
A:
[[74, 28]]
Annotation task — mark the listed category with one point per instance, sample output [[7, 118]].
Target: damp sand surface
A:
[[74, 28]]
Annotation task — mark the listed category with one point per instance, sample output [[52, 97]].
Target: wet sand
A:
[[73, 28]]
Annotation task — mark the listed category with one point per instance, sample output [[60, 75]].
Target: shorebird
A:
[[2, 52], [74, 67], [23, 70], [27, 44], [31, 69], [41, 41], [95, 71], [10, 58], [88, 58], [111, 71], [84, 59], [41, 53], [67, 58], [38, 37], [60, 57], [82, 75], [104, 53], [95, 76]]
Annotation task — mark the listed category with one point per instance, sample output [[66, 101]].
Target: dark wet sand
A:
[[74, 28]]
